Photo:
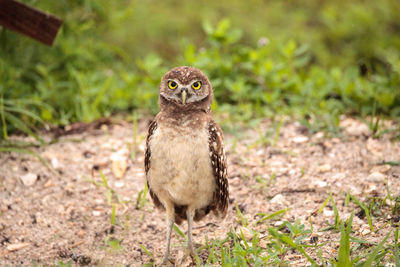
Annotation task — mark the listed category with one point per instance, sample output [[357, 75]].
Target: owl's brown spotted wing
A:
[[218, 161], [147, 158]]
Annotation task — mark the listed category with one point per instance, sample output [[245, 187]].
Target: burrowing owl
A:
[[185, 159]]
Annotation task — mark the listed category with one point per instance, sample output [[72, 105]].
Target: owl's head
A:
[[186, 88]]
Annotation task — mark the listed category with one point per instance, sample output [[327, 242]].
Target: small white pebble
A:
[[321, 184], [365, 230], [324, 168], [376, 177], [96, 213], [328, 213], [319, 135], [119, 184], [279, 199], [29, 179], [300, 139], [390, 202], [54, 163]]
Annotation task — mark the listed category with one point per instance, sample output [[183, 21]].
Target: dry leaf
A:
[[48, 184], [119, 167], [381, 168]]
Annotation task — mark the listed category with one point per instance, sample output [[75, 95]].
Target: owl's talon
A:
[[166, 261], [190, 251]]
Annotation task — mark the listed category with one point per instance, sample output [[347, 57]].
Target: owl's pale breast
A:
[[180, 169]]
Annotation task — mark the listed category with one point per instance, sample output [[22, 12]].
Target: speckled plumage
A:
[[185, 159]]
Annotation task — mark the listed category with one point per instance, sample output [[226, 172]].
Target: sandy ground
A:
[[47, 216]]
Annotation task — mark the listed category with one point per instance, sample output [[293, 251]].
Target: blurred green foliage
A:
[[314, 60]]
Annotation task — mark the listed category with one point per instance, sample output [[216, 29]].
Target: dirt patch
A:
[[47, 217]]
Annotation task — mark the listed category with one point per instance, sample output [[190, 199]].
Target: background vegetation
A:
[[313, 60]]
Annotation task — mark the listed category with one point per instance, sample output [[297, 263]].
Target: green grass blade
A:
[[143, 200], [347, 199], [25, 112], [396, 247], [19, 124], [287, 240], [146, 251], [105, 182], [62, 264], [360, 241], [366, 210], [324, 204], [344, 249], [109, 195], [369, 219], [138, 199], [335, 211], [392, 163], [113, 215], [277, 132], [3, 119], [375, 252], [100, 94], [246, 244], [222, 255], [240, 215], [197, 260], [371, 123], [179, 231], [16, 101], [272, 215]]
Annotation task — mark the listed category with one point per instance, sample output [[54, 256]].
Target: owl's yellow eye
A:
[[196, 85], [172, 85]]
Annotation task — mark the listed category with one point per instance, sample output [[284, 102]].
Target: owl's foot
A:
[[189, 255], [166, 261], [190, 251]]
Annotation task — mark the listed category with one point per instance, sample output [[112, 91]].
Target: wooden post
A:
[[24, 19]]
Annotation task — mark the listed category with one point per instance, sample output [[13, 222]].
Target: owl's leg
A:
[[190, 215], [170, 223]]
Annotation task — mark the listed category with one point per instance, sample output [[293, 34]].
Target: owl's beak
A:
[[184, 95]]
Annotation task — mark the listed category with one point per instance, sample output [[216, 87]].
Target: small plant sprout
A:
[[241, 218], [141, 198]]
